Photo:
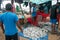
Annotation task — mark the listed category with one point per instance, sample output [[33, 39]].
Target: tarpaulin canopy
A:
[[19, 1], [39, 1]]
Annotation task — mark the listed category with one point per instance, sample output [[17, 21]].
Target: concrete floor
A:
[[51, 37]]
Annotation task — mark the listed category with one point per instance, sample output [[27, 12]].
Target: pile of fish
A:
[[35, 32]]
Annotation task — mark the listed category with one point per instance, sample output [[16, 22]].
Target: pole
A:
[[12, 1], [0, 4], [57, 1]]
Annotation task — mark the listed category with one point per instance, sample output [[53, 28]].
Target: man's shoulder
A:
[[14, 14], [11, 13], [2, 14]]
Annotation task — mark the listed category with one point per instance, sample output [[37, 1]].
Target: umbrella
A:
[[39, 1]]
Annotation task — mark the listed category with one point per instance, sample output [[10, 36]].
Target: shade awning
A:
[[39, 1]]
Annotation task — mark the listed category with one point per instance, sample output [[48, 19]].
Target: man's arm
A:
[[17, 22], [1, 24], [19, 26]]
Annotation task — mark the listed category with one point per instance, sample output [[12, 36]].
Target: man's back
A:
[[9, 20]]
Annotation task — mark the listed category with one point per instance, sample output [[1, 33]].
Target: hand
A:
[[22, 31]]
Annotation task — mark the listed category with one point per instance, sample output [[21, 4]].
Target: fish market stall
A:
[[34, 33]]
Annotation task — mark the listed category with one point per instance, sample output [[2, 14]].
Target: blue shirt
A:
[[34, 12], [9, 20]]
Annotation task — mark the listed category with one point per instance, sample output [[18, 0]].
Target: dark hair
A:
[[41, 8], [8, 6], [53, 9], [34, 4]]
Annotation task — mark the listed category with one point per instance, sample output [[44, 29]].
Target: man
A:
[[13, 9], [42, 13], [53, 18], [58, 17], [9, 20], [33, 10]]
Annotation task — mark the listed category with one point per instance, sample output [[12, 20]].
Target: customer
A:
[[58, 16], [9, 20], [33, 10], [53, 18]]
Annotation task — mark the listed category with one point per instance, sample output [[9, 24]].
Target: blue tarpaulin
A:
[[41, 38], [39, 1]]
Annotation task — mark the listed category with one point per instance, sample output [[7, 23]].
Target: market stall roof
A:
[[39, 1], [33, 1]]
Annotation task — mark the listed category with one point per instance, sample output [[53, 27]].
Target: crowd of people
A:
[[9, 20]]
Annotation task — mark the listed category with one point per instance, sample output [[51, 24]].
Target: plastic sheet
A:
[[41, 38]]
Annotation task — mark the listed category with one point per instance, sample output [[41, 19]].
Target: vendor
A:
[[21, 19], [41, 12], [53, 18], [33, 11]]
